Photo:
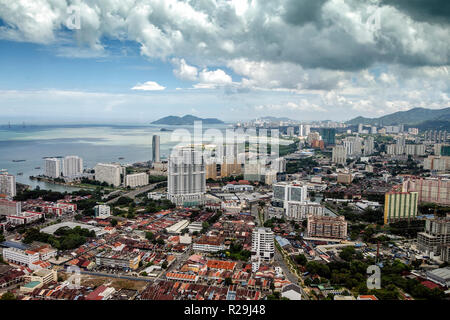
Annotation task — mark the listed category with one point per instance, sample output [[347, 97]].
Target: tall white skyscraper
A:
[[300, 130], [263, 248], [186, 182], [72, 166], [109, 173], [7, 184], [155, 149], [353, 146], [52, 167], [368, 146], [307, 129], [339, 154], [400, 145], [279, 164]]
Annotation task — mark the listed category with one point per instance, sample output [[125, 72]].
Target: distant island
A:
[[186, 120]]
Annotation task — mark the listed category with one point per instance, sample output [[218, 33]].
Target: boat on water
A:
[[19, 173], [19, 160], [121, 158], [37, 168]]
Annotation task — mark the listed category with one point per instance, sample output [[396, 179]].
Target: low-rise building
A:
[[123, 260], [156, 195], [291, 292], [178, 227], [101, 293], [237, 188], [440, 276], [10, 276], [45, 276], [209, 244], [327, 227], [195, 226], [20, 257], [24, 218], [102, 211], [345, 178]]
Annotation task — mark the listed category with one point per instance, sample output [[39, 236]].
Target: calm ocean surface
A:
[[94, 143]]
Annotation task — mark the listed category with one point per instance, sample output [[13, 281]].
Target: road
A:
[[260, 213], [134, 193], [289, 275]]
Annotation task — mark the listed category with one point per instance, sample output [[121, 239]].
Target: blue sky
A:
[[31, 66], [136, 61]]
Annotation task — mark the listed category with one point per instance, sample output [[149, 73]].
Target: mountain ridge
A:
[[413, 116]]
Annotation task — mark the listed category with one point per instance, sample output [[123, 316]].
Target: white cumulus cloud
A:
[[148, 86]]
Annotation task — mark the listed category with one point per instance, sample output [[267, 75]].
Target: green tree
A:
[[301, 259], [8, 296], [149, 236]]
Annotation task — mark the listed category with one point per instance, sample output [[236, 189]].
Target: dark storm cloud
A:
[[299, 12], [432, 11], [326, 34]]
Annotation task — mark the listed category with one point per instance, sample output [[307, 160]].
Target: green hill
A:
[[411, 117]]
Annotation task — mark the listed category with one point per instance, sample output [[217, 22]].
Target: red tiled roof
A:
[[180, 276], [429, 284], [218, 264]]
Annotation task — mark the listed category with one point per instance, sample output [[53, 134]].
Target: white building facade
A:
[[20, 257], [7, 184], [52, 168], [72, 166], [186, 183], [102, 211], [339, 155], [136, 180], [109, 173], [263, 247], [298, 211]]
